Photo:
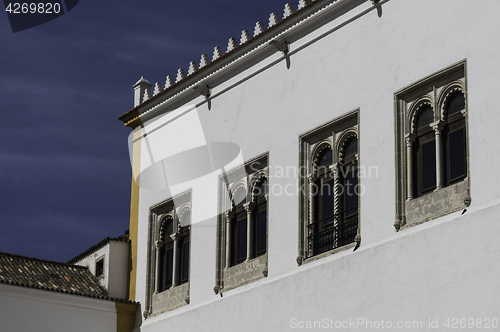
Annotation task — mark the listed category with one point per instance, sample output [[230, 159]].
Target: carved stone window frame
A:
[[332, 135], [159, 301], [254, 267], [433, 90]]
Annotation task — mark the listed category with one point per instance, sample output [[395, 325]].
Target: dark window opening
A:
[[166, 267], [185, 262], [327, 201], [239, 227], [329, 230], [455, 140], [348, 216], [455, 149], [239, 247], [456, 103], [325, 158], [351, 191], [425, 117], [166, 273], [261, 190], [351, 148], [427, 164], [261, 233], [424, 154], [99, 268], [260, 220]]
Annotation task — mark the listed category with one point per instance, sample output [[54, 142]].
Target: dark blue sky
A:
[[64, 166]]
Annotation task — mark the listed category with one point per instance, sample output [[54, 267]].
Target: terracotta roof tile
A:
[[51, 276]]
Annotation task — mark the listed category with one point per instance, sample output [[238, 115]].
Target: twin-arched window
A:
[[248, 224], [173, 249], [436, 146], [242, 224], [334, 193], [431, 147], [454, 139]]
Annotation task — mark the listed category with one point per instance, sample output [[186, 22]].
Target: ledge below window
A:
[[328, 253], [245, 273], [437, 203], [170, 299]]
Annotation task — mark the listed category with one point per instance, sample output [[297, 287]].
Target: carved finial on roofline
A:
[[192, 67], [217, 53], [303, 3], [158, 88], [288, 10], [180, 75], [259, 27], [147, 95], [169, 81], [273, 19], [245, 36], [231, 45], [204, 60]]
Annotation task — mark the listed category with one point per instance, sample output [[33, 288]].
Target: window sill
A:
[[328, 253], [436, 204], [245, 272], [170, 299]]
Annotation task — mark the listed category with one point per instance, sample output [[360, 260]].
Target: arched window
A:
[[242, 224], [324, 189], [168, 250], [239, 226], [166, 255], [348, 216], [334, 193], [454, 136], [249, 222], [424, 160], [185, 222], [327, 155], [322, 227], [431, 147], [259, 217], [173, 250]]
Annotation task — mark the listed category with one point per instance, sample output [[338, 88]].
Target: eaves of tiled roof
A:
[[51, 276], [94, 248]]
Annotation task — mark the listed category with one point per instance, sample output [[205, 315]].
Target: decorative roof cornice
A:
[[238, 57]]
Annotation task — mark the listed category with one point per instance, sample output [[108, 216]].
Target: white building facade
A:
[[334, 169], [108, 261], [25, 309]]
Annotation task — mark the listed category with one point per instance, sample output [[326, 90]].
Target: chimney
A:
[[139, 89]]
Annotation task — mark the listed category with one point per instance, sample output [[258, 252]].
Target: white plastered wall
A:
[[90, 263], [24, 309], [424, 272], [115, 278], [119, 252]]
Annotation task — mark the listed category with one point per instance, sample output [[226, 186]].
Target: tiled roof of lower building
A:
[[51, 276]]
